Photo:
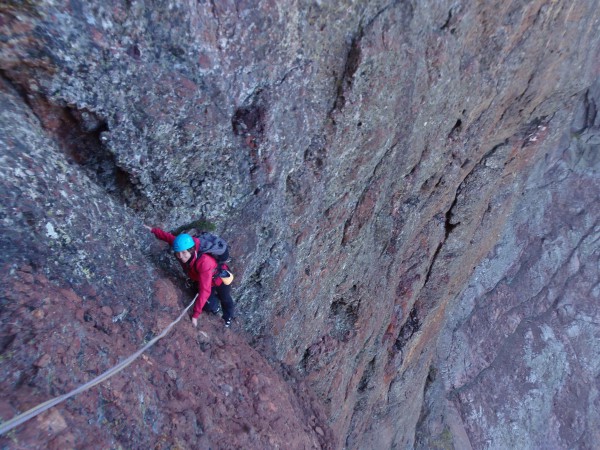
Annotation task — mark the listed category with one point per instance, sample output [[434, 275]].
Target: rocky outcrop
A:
[[516, 359], [81, 293], [408, 188]]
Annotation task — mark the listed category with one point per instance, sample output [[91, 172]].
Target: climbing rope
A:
[[24, 417]]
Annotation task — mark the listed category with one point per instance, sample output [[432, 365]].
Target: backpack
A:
[[213, 245]]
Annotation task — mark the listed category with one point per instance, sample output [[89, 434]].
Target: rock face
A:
[[410, 190], [511, 358]]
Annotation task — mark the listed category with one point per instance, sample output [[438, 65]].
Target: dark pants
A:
[[221, 294]]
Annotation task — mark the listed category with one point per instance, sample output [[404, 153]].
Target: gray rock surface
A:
[[410, 190], [518, 354]]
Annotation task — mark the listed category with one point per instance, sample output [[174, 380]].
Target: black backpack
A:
[[213, 245]]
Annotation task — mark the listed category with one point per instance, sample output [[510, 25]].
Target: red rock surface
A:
[[200, 388], [409, 189]]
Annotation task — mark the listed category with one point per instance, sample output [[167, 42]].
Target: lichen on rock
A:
[[408, 189]]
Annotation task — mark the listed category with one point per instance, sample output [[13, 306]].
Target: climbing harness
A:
[[226, 276], [30, 414]]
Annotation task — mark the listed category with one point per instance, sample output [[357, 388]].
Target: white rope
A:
[[24, 417]]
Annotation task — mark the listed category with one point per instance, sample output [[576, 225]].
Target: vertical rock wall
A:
[[518, 355], [368, 161]]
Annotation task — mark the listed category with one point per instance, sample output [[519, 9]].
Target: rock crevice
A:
[[408, 189]]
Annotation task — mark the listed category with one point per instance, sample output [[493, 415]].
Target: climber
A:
[[201, 267]]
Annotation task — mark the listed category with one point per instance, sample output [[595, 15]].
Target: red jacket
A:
[[199, 268]]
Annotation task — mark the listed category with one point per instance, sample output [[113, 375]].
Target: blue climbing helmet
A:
[[183, 242]]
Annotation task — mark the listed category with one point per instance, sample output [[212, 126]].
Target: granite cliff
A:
[[410, 190]]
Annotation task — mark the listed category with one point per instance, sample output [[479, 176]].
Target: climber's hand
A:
[[147, 227], [194, 322]]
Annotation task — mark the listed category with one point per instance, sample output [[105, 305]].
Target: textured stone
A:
[[513, 342], [408, 189]]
